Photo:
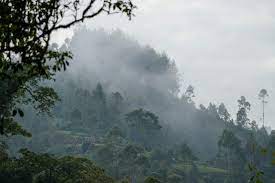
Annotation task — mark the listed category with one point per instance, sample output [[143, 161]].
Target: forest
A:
[[116, 112]]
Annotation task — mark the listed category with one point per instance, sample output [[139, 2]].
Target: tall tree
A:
[[99, 95], [242, 114], [189, 94], [262, 96], [223, 113]]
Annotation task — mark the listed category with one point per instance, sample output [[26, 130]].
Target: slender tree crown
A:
[[262, 96]]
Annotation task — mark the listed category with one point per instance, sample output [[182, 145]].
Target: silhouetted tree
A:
[[189, 94], [223, 113], [143, 124], [242, 114], [262, 96]]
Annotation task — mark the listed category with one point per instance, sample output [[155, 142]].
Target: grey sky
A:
[[224, 48]]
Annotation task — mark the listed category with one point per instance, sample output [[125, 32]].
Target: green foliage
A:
[[256, 175], [151, 180], [40, 168], [10, 128]]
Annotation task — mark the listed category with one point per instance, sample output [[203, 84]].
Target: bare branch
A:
[[65, 26]]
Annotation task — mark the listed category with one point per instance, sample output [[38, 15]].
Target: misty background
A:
[[139, 101], [223, 48]]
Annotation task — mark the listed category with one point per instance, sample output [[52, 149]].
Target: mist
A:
[[145, 78], [229, 44], [169, 92]]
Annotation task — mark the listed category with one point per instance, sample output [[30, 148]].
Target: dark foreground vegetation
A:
[[116, 115]]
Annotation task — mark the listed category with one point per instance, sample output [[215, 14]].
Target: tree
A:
[[143, 124], [254, 126], [230, 145], [242, 114], [271, 147], [42, 168], [116, 102], [262, 96], [228, 140], [223, 113], [202, 108], [193, 175], [184, 153], [99, 98], [99, 95], [106, 155], [213, 110], [128, 160], [115, 133], [26, 56], [189, 94]]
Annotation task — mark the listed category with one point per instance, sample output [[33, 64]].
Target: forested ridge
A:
[[120, 107], [101, 108]]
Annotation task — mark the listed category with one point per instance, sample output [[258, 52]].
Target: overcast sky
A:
[[224, 48]]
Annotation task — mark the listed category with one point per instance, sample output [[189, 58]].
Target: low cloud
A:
[[224, 48]]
